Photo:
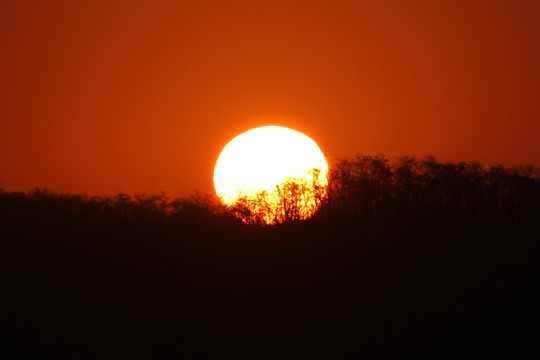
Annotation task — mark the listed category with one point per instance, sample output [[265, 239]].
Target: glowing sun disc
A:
[[262, 159]]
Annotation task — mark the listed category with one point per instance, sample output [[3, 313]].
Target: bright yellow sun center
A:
[[271, 174]]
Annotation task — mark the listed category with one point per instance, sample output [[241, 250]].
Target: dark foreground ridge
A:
[[410, 258]]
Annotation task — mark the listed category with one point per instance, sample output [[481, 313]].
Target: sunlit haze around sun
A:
[[275, 167]]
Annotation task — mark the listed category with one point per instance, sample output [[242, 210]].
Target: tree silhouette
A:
[[292, 200], [373, 186], [399, 257]]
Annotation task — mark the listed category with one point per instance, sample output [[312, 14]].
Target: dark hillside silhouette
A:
[[412, 257]]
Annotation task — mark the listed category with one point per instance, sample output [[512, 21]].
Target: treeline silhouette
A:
[[372, 186], [411, 257]]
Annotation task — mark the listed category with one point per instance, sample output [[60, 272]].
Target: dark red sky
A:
[[107, 96]]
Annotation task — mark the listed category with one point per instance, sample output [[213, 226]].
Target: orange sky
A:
[[102, 97]]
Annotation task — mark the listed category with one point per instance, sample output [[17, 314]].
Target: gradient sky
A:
[[102, 97]]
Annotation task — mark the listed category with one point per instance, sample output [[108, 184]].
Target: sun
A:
[[271, 174]]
